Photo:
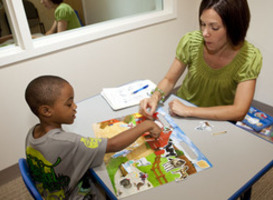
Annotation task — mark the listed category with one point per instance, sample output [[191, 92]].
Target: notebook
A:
[[128, 95]]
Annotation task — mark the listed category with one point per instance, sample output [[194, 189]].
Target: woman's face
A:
[[214, 31], [47, 3]]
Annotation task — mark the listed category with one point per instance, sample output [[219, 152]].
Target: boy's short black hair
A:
[[57, 1], [235, 15], [43, 90]]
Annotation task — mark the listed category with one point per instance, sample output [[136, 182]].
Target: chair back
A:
[[33, 16], [29, 182], [78, 16]]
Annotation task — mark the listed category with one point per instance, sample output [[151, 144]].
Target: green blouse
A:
[[66, 12], [205, 86]]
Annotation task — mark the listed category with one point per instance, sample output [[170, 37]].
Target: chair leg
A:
[[42, 28], [246, 195]]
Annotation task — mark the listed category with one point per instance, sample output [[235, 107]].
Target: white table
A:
[[239, 158]]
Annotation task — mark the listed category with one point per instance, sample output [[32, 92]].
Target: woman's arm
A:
[[148, 106], [57, 27], [176, 70], [5, 38], [53, 29], [237, 111], [61, 26]]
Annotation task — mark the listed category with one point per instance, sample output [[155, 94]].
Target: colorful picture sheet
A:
[[149, 162]]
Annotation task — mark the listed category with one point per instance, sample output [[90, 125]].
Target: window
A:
[[25, 47], [6, 37], [95, 11]]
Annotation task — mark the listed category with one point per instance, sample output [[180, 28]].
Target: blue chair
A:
[[29, 182], [78, 16]]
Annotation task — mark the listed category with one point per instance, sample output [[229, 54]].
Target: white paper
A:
[[124, 96]]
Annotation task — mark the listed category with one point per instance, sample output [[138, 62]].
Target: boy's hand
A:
[[155, 130], [125, 138]]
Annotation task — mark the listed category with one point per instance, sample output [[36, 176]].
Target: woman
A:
[[65, 16], [222, 66]]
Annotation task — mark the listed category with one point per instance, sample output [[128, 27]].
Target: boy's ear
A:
[[45, 110]]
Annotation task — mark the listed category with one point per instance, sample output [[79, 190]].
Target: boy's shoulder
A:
[[61, 136], [58, 135]]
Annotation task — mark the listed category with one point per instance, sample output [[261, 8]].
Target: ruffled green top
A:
[[66, 12], [205, 86]]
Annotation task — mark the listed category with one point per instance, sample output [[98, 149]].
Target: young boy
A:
[[59, 160]]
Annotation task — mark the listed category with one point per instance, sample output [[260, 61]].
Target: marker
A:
[[144, 87]]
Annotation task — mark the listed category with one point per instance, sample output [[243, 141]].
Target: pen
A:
[[136, 91]]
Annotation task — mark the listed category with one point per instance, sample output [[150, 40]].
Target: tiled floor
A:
[[14, 190]]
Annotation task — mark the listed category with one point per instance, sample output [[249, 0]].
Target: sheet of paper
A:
[[128, 95]]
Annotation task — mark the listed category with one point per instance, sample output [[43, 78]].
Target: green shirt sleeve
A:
[[63, 12], [188, 47], [251, 63], [67, 13]]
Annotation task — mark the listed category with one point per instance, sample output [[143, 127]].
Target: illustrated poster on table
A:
[[149, 162]]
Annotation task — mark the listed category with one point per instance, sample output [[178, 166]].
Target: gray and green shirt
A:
[[59, 160]]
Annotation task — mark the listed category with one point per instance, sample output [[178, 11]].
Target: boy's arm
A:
[[127, 137]]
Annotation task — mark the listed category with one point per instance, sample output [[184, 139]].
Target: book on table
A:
[[128, 95]]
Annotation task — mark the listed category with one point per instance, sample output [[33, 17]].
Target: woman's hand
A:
[[148, 107], [176, 107]]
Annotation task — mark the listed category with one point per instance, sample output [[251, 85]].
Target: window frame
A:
[[27, 47]]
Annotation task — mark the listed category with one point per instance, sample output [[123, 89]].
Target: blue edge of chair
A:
[[78, 16], [28, 180]]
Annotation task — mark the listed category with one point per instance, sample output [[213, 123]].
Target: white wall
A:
[[139, 54], [260, 34]]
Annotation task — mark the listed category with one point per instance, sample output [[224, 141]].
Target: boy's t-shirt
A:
[[59, 160]]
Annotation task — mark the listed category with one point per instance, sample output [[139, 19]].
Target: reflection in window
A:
[[51, 16], [41, 16], [5, 30], [22, 48], [102, 10], [33, 18]]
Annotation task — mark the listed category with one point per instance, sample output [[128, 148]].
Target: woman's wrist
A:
[[158, 94], [189, 111]]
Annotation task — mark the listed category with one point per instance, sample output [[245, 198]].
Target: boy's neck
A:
[[40, 130]]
